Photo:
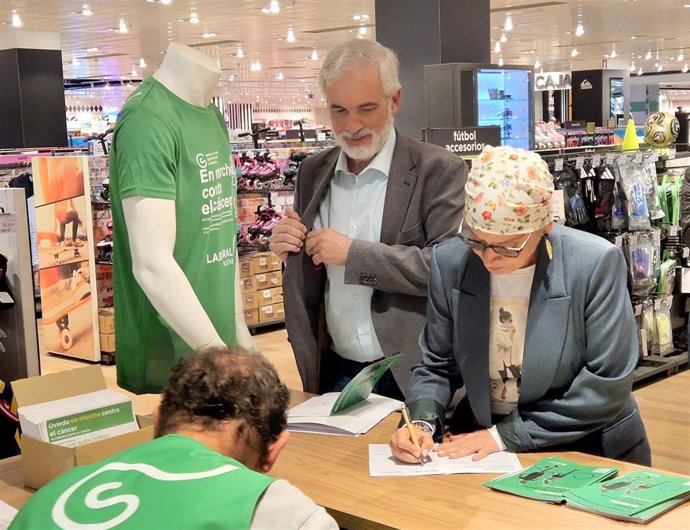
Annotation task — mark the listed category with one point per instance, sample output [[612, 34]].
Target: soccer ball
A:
[[661, 129]]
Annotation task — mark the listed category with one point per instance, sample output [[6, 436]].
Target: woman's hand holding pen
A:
[[477, 443], [404, 449]]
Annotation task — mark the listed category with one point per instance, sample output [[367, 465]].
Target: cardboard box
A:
[[42, 461], [248, 285], [107, 342], [106, 320], [250, 301], [245, 267], [269, 280], [251, 317], [270, 296], [265, 262], [271, 313]]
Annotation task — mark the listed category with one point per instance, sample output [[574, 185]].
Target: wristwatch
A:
[[425, 426]]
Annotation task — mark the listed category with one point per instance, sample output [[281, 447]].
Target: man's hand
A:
[[404, 450], [478, 443], [328, 246], [288, 235]]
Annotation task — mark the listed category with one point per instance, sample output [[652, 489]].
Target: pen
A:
[[413, 431]]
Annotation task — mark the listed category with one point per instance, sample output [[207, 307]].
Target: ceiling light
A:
[[265, 10], [508, 26], [579, 30], [134, 72], [639, 72], [314, 55], [255, 66], [280, 76], [86, 10], [685, 68], [91, 50], [500, 61], [208, 34], [659, 68], [122, 28], [574, 53], [681, 57], [648, 56], [632, 66], [16, 20], [274, 7], [504, 38], [537, 63], [497, 47], [194, 17], [633, 37], [142, 63], [240, 52], [75, 61], [290, 35], [362, 30], [613, 53], [164, 2]]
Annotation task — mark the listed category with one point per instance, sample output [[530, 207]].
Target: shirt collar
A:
[[381, 162]]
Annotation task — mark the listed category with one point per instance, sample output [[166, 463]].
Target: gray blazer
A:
[[424, 201], [581, 349]]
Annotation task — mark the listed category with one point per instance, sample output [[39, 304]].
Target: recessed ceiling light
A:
[[574, 53], [274, 7], [123, 28], [633, 37], [503, 38], [290, 35], [500, 61], [362, 30], [240, 52], [579, 30], [208, 34], [86, 10], [508, 25], [497, 47], [92, 50], [194, 17], [314, 55], [16, 20], [280, 76], [142, 63]]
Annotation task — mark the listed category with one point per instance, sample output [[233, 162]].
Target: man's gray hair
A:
[[361, 53]]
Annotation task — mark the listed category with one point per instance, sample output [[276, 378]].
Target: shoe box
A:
[[261, 286], [106, 329]]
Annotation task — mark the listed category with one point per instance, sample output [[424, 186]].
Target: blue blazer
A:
[[581, 348]]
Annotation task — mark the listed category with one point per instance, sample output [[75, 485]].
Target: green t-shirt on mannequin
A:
[[150, 486], [166, 148]]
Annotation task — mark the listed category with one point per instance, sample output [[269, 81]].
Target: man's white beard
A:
[[364, 152]]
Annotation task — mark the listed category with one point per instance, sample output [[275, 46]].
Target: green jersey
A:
[[166, 148], [170, 482]]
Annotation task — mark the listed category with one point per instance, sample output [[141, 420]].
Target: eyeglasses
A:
[[476, 244]]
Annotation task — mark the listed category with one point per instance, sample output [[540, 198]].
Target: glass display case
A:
[[504, 99]]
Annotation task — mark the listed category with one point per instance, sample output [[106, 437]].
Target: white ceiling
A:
[[542, 29]]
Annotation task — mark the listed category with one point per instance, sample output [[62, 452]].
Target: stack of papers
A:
[[315, 415], [638, 497], [550, 479], [7, 514], [383, 464], [79, 419]]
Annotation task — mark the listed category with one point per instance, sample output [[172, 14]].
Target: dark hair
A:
[[503, 315], [215, 385]]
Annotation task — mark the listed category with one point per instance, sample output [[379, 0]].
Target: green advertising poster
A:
[[362, 384], [550, 479], [639, 496]]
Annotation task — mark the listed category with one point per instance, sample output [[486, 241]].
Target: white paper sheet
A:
[[7, 513], [382, 464]]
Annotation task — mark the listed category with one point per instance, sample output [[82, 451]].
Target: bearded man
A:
[[358, 239]]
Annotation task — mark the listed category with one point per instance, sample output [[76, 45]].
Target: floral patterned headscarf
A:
[[508, 191]]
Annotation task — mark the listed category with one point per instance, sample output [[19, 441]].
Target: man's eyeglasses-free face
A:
[[476, 244]]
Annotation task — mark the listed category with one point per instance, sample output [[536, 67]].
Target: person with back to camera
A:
[[365, 217], [173, 196], [569, 383], [220, 426]]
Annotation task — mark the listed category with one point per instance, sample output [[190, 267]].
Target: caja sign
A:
[[552, 81]]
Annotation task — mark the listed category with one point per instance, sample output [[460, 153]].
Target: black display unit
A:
[[470, 95]]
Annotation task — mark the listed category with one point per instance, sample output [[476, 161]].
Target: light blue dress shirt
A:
[[354, 207]]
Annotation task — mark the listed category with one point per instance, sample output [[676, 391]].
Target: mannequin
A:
[[152, 222]]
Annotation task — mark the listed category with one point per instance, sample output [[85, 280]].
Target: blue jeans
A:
[[341, 371]]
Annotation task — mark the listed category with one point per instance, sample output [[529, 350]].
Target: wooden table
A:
[[334, 471]]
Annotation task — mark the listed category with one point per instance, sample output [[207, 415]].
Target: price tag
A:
[[638, 310], [673, 231], [622, 160], [263, 262], [655, 156], [619, 241], [559, 164], [672, 152], [610, 158], [8, 223], [638, 157], [261, 278], [657, 305], [267, 294], [596, 160], [579, 162], [268, 310]]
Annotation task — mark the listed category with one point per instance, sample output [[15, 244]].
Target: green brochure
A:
[[550, 479], [636, 497], [362, 384]]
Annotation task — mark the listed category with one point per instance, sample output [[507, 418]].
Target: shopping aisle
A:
[[663, 404]]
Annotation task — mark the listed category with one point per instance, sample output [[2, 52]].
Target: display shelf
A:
[[482, 100], [254, 327], [655, 365]]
